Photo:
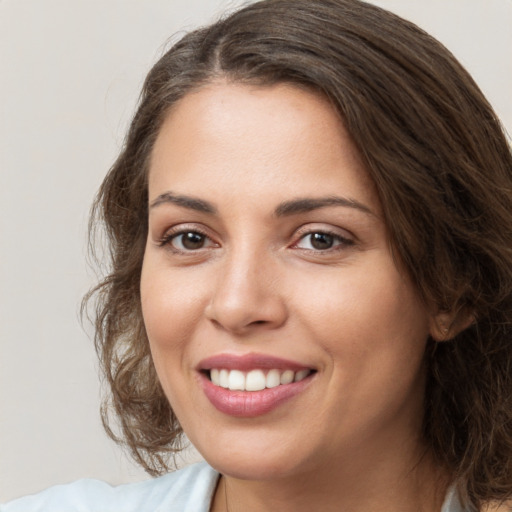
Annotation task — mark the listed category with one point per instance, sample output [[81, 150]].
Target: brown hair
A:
[[443, 169]]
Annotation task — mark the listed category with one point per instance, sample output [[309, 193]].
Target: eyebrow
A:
[[307, 204], [292, 207], [192, 203]]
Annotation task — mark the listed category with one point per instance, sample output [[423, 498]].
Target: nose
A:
[[247, 296]]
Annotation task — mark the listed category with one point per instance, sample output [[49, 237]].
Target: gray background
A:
[[70, 73]]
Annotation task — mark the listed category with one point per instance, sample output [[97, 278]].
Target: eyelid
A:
[[180, 229], [343, 235]]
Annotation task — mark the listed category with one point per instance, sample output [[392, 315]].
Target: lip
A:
[[247, 362], [249, 404]]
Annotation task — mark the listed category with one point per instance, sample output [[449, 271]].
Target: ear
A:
[[446, 325]]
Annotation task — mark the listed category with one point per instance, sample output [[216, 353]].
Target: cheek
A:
[[374, 329], [372, 313], [171, 310], [169, 318]]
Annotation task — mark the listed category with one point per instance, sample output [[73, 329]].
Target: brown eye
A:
[[323, 241], [189, 241]]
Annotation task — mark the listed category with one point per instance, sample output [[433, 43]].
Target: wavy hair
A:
[[442, 167]]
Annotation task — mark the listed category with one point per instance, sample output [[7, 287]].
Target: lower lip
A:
[[248, 404]]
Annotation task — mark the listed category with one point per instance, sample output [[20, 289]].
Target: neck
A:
[[381, 485]]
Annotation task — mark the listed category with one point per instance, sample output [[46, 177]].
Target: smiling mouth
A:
[[255, 380]]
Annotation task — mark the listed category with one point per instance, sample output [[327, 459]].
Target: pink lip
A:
[[249, 404], [249, 362]]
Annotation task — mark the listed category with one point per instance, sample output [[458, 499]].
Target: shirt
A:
[[188, 490]]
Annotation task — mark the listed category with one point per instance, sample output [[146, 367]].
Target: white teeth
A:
[[224, 379], [255, 380], [273, 379], [214, 376], [301, 375], [236, 380], [287, 377]]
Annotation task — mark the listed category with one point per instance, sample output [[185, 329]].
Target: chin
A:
[[252, 468], [255, 459]]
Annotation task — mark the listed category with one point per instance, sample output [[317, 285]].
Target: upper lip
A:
[[247, 362]]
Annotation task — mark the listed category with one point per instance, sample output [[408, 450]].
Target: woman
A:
[[310, 227]]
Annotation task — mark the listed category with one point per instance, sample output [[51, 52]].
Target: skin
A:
[[255, 283]]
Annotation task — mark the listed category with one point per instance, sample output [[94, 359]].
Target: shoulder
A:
[[187, 490], [452, 502]]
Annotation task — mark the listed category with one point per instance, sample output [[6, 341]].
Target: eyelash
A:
[[169, 237], [339, 242]]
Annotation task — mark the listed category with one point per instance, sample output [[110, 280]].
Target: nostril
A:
[[236, 312]]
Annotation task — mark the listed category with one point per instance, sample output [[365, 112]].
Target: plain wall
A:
[[70, 73]]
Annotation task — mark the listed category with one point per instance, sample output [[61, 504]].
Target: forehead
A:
[[228, 136]]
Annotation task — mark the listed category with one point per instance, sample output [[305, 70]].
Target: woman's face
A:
[[267, 261]]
